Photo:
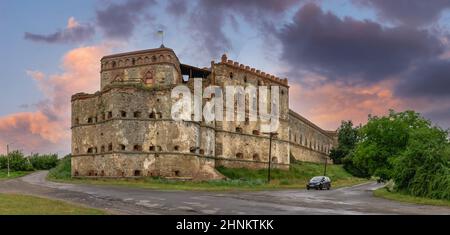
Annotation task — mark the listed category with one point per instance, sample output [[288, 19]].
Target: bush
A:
[[63, 169], [17, 162], [44, 162]]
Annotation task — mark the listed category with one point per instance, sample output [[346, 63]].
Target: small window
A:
[[192, 149], [102, 149], [137, 114], [90, 150], [239, 156], [123, 114], [158, 148], [245, 79], [122, 147], [109, 114], [110, 147], [202, 151], [255, 157], [103, 116], [137, 173], [90, 120], [275, 160], [137, 148], [256, 132], [238, 130], [152, 115], [77, 121], [152, 148], [114, 64], [177, 173], [176, 148], [102, 173], [231, 75]]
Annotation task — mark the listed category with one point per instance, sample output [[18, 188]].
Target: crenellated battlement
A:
[[257, 72], [139, 58]]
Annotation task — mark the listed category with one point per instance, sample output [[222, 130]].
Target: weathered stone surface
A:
[[126, 130]]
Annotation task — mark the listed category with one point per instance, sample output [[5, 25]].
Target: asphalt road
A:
[[122, 200]]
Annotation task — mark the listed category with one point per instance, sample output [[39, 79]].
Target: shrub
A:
[[63, 169], [17, 162], [44, 162]]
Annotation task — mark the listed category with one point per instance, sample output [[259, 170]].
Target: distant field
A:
[[12, 204], [396, 196], [239, 179], [13, 174]]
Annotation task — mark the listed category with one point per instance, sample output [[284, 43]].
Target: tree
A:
[[383, 139], [347, 138]]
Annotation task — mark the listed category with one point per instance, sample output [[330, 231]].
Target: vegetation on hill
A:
[[403, 147]]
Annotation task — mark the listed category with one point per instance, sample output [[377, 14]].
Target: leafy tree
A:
[[347, 138], [383, 139], [423, 169]]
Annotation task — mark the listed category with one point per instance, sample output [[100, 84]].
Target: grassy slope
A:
[[11, 204], [397, 196], [13, 174], [239, 179]]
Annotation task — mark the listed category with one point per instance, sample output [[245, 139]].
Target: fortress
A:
[[126, 129]]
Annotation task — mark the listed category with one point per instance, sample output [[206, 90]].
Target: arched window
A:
[[102, 149], [109, 114], [274, 159], [137, 114], [122, 147], [238, 130], [239, 155], [231, 75], [110, 147], [152, 115], [152, 148], [123, 114], [148, 78], [256, 132], [176, 148]]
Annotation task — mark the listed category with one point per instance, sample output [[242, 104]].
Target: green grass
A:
[[12, 174], [13, 204], [398, 196], [238, 179]]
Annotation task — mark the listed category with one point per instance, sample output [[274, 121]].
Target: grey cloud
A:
[[410, 12], [79, 33], [350, 50], [118, 20]]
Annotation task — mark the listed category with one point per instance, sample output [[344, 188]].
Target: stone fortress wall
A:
[[126, 130]]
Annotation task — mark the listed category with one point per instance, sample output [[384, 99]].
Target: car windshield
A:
[[316, 179]]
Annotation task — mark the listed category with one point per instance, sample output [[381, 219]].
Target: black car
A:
[[319, 182]]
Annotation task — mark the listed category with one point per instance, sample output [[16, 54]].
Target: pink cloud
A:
[[330, 103], [48, 128]]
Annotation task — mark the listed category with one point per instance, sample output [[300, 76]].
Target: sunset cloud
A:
[[332, 102]]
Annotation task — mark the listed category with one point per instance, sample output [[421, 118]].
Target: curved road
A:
[[122, 200]]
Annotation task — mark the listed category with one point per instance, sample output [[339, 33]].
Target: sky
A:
[[345, 59]]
